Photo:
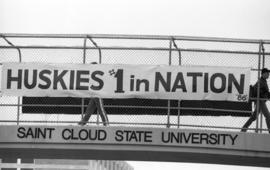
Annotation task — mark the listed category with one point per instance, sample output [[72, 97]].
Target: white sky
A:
[[208, 18], [214, 18]]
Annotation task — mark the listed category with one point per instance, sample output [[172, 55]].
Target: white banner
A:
[[126, 81]]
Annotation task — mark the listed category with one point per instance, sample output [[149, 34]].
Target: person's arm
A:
[[264, 90]]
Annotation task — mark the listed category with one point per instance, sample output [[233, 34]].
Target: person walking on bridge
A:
[[95, 105], [264, 95]]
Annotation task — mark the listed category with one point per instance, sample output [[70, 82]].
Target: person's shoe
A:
[[105, 124], [244, 130], [82, 123]]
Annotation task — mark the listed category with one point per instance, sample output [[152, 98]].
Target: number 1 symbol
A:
[[119, 81]]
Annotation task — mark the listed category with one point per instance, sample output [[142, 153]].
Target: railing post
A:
[[179, 63], [258, 100], [20, 60], [261, 50], [100, 56], [99, 61], [169, 102], [84, 60], [84, 50]]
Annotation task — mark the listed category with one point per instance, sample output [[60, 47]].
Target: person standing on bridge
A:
[[95, 105], [264, 95]]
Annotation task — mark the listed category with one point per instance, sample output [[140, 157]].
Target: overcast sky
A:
[[214, 18], [208, 18]]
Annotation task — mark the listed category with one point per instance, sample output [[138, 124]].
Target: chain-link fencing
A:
[[131, 49]]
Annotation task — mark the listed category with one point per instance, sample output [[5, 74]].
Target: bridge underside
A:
[[120, 153]]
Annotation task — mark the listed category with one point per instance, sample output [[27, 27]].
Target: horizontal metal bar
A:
[[146, 37], [43, 166], [76, 122], [133, 48], [136, 124], [217, 110], [38, 121], [219, 127], [117, 123], [42, 105]]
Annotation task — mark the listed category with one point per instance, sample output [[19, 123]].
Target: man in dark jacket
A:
[[264, 95]]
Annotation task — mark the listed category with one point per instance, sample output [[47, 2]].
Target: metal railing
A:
[[70, 164], [133, 49]]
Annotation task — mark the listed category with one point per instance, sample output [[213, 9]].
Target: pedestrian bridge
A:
[[34, 126]]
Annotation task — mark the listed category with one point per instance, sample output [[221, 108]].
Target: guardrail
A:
[[71, 164], [133, 49]]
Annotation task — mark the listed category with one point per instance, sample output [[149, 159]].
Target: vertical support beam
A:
[[84, 50], [263, 54], [179, 63], [258, 90], [18, 111], [100, 56], [178, 113], [99, 61], [263, 65], [20, 60], [170, 52], [84, 60], [169, 102], [18, 107]]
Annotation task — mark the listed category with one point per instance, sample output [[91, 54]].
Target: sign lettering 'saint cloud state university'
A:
[[134, 137]]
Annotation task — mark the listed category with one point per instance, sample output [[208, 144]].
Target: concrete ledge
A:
[[135, 155]]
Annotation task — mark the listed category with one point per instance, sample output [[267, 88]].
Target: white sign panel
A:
[[126, 81], [134, 136]]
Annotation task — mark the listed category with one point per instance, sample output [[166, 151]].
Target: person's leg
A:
[[102, 112], [250, 120], [266, 114], [91, 108]]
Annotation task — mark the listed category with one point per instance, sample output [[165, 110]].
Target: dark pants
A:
[[264, 110], [95, 105]]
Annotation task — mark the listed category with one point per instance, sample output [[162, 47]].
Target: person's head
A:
[[265, 73]]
